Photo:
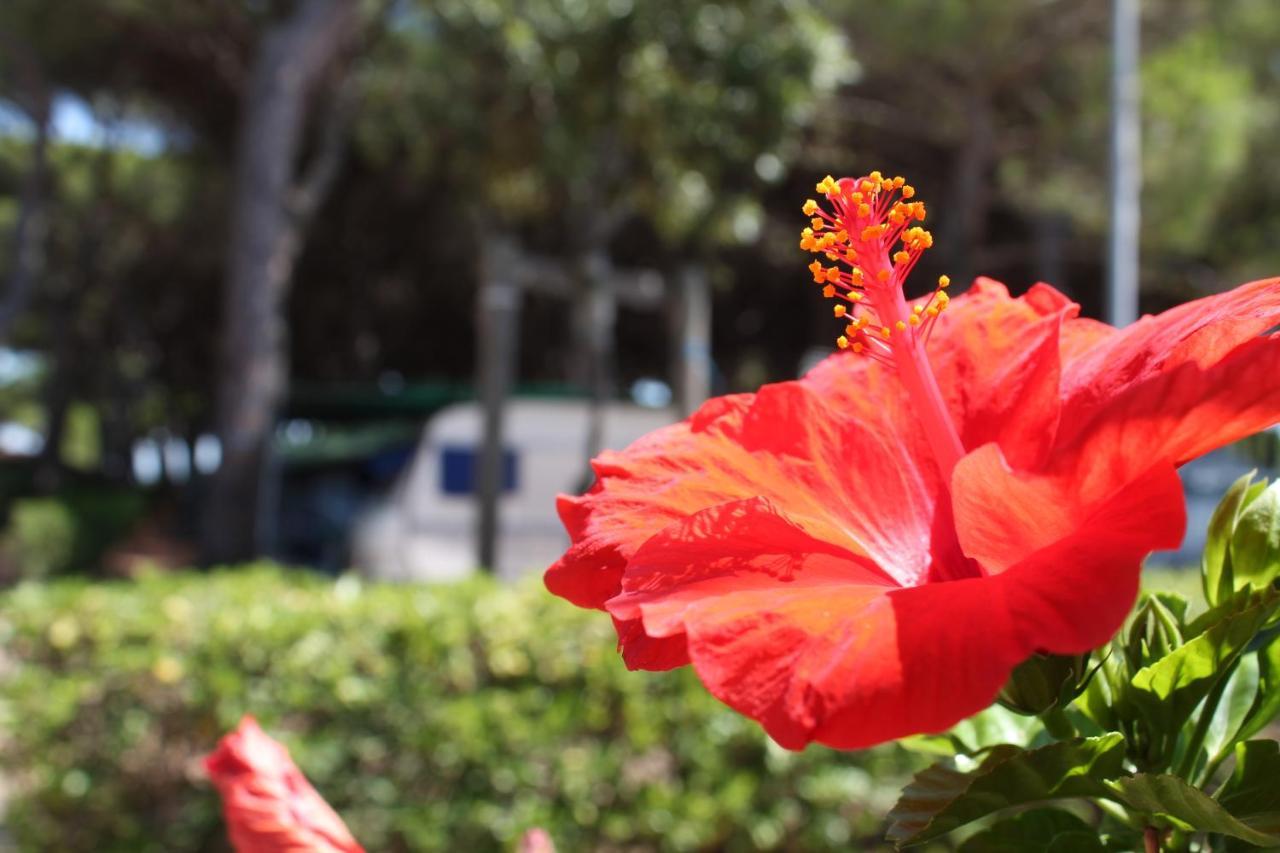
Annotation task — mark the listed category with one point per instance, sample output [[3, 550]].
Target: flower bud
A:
[[1042, 682]]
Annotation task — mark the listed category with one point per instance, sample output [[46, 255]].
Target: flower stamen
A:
[[870, 230]]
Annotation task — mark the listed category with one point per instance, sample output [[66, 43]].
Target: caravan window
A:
[[460, 465]]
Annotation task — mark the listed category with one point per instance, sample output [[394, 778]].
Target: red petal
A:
[[640, 651], [1073, 595], [812, 641], [1078, 576], [268, 804], [823, 468], [997, 360], [1200, 333]]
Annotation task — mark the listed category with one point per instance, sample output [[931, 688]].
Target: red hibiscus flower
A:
[[269, 805], [867, 552]]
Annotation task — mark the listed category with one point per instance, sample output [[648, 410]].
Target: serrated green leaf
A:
[[1167, 691], [1237, 701], [1252, 794], [1034, 831], [1255, 543], [1267, 706], [1215, 565], [1188, 807], [942, 797]]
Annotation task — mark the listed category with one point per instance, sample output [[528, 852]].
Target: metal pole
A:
[[1126, 165], [693, 366], [497, 328]]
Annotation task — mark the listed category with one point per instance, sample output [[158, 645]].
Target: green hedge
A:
[[433, 718]]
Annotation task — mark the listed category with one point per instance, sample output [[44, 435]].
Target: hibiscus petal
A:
[[1004, 517], [813, 641], [997, 363], [997, 359], [785, 443], [1201, 333], [1072, 595], [268, 804]]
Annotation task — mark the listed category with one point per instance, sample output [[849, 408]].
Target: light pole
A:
[[1126, 165]]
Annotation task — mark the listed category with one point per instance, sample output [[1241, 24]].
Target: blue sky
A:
[[75, 122]]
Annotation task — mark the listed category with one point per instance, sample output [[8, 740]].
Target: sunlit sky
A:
[[75, 122]]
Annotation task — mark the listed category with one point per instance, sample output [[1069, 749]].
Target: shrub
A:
[[67, 532], [433, 718]]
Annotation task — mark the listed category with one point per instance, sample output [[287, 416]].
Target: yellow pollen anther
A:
[[874, 255], [944, 280], [857, 347], [943, 297], [842, 342]]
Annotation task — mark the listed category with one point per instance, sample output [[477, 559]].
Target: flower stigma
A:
[[868, 237]]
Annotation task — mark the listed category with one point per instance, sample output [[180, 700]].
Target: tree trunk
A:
[[28, 230], [970, 188], [266, 234]]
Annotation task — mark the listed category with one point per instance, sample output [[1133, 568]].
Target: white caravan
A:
[[425, 530]]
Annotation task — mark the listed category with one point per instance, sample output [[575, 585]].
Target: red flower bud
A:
[[269, 805]]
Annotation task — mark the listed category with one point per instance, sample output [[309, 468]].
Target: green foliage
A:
[[1252, 793], [433, 718], [69, 531], [942, 798], [1187, 807], [1171, 700], [1035, 831], [1166, 692]]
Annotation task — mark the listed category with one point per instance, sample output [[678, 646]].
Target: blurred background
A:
[[365, 283]]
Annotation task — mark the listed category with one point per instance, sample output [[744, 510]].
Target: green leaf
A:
[[1034, 831], [1187, 807], [1157, 628], [1252, 794], [988, 728], [1267, 705], [1255, 544], [942, 797], [1237, 701], [1167, 691], [1215, 565]]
